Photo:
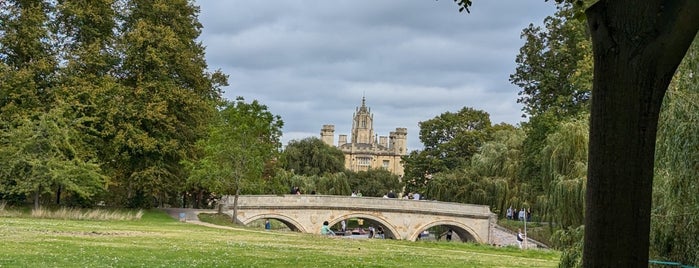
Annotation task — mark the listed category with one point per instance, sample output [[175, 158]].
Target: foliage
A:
[[675, 212], [554, 67], [27, 57], [565, 170], [243, 139], [43, 155], [571, 242], [374, 182], [450, 140], [311, 156], [166, 101], [157, 240]]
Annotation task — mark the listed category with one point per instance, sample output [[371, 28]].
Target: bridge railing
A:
[[359, 203]]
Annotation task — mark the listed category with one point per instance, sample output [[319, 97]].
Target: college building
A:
[[366, 150]]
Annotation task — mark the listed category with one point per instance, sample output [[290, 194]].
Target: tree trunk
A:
[[235, 205], [36, 199], [637, 47], [58, 195]]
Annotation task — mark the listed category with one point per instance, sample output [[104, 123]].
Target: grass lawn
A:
[[157, 240]]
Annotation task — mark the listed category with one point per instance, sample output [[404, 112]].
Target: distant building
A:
[[366, 150]]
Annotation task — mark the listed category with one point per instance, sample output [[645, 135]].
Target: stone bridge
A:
[[400, 218]]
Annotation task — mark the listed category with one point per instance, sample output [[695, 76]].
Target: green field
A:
[[157, 240]]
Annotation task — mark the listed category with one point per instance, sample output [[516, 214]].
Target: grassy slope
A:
[[160, 241]]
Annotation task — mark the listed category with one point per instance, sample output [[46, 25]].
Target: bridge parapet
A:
[[360, 203]]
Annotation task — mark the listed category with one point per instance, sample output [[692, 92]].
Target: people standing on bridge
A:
[[416, 196], [520, 238], [391, 194], [325, 230]]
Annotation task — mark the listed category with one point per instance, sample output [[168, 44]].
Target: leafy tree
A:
[[311, 156], [373, 182], [165, 99], [43, 155], [637, 47], [334, 184], [85, 81], [243, 139], [450, 140], [554, 72], [28, 59], [554, 66], [674, 228]]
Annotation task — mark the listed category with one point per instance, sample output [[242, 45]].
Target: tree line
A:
[[111, 101]]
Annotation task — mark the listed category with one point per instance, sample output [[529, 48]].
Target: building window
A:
[[364, 161], [385, 164]]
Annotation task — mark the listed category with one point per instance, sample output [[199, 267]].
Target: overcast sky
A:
[[311, 61]]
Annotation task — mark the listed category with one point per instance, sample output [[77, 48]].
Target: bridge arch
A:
[[289, 222], [463, 231], [389, 230]]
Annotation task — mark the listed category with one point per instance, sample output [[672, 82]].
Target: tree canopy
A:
[[311, 156]]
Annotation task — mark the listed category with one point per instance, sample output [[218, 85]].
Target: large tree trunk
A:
[[637, 47]]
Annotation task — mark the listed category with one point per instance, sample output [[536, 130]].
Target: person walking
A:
[[520, 238], [268, 225]]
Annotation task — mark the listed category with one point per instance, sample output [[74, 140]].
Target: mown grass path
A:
[[157, 240]]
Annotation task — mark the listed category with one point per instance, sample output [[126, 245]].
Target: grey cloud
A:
[[312, 61]]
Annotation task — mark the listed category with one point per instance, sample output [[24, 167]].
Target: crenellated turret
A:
[[327, 134]]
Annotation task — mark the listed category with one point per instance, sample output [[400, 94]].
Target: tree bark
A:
[[235, 205], [637, 47]]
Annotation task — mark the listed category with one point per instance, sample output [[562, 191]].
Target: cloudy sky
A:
[[311, 61]]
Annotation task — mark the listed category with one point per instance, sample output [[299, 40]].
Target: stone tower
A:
[[327, 134], [363, 125], [398, 141], [365, 150]]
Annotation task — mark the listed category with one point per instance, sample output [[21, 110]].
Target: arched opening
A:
[[446, 231], [276, 221], [364, 226]]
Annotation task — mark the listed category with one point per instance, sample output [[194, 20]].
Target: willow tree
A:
[[675, 214], [311, 156], [564, 172]]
